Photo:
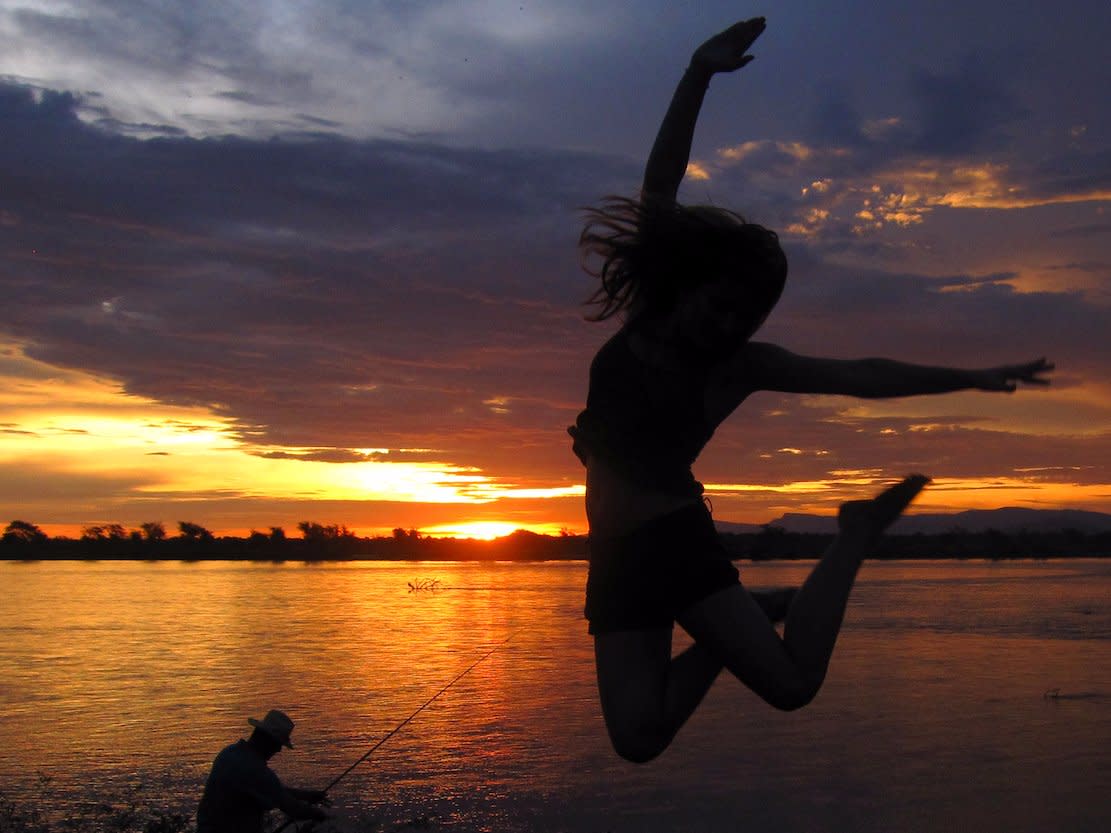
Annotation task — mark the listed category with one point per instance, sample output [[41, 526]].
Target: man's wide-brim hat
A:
[[276, 724]]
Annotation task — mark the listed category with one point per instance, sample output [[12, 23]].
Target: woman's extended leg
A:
[[788, 672], [647, 695]]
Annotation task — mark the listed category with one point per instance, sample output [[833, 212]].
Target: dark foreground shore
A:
[[138, 811]]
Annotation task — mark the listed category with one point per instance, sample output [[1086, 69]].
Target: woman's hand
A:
[[725, 51], [667, 163], [1007, 377]]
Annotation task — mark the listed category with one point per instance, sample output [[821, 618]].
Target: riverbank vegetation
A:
[[127, 814], [24, 541], [134, 810]]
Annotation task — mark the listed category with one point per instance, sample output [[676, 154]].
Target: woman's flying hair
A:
[[652, 251]]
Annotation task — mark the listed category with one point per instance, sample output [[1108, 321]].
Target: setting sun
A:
[[483, 530]]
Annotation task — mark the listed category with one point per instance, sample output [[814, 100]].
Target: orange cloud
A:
[[762, 502], [798, 151], [72, 426], [696, 170], [901, 194]]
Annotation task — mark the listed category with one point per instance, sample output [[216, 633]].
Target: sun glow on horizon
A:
[[487, 530], [88, 439]]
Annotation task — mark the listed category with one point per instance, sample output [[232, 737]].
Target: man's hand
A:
[[725, 51], [316, 796]]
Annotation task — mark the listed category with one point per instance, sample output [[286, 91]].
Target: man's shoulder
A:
[[239, 756], [233, 750], [240, 765]]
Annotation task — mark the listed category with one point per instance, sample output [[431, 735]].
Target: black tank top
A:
[[648, 423]]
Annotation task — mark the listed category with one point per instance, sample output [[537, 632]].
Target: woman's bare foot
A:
[[867, 519]]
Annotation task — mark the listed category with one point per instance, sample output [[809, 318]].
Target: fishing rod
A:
[[404, 722]]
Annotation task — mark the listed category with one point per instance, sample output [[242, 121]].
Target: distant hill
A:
[[1007, 519], [739, 529]]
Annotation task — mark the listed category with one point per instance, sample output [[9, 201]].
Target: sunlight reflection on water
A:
[[933, 717]]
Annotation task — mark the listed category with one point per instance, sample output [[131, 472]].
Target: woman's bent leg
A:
[[647, 694], [787, 672]]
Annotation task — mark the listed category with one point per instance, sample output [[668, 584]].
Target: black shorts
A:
[[647, 578]]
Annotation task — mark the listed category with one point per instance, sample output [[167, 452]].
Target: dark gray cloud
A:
[[943, 113], [166, 40], [572, 74], [332, 294], [1096, 230], [957, 319], [318, 290], [836, 119], [1075, 170], [962, 112]]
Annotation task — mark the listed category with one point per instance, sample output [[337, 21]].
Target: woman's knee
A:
[[790, 695], [639, 743], [638, 733], [790, 702]]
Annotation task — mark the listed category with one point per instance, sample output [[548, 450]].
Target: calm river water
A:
[[935, 716]]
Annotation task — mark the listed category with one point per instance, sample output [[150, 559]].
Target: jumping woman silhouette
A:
[[694, 284]]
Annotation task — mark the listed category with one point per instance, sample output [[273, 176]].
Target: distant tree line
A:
[[22, 540]]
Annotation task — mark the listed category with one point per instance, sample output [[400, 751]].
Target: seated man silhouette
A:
[[241, 788]]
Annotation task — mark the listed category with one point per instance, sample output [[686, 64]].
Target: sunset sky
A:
[[266, 262]]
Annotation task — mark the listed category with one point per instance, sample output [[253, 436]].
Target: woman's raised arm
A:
[[667, 163]]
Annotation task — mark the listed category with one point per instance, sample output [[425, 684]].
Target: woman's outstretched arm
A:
[[761, 366], [724, 52]]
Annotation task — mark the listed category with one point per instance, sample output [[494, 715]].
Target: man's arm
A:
[[311, 796], [297, 807], [667, 163], [761, 366]]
